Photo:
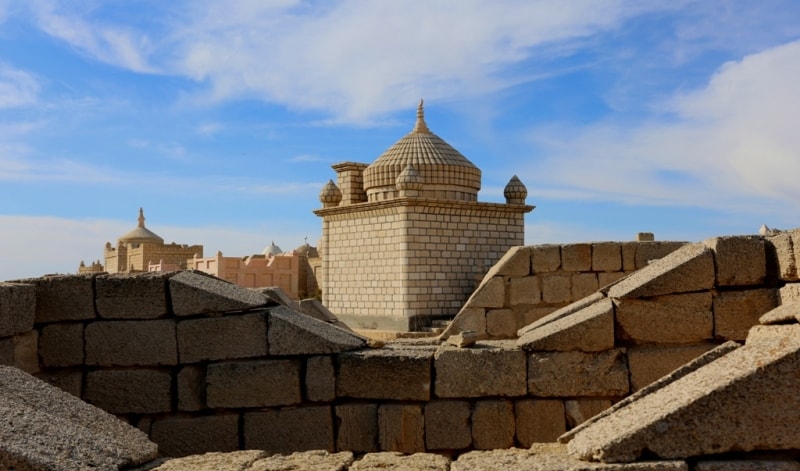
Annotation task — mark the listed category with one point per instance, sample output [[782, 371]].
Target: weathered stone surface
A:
[[739, 260], [690, 268], [590, 330], [61, 344], [629, 256], [515, 262], [539, 420], [401, 427], [256, 383], [7, 351], [564, 374], [183, 436], [501, 323], [447, 425], [582, 285], [396, 460], [403, 375], [576, 257], [26, 351], [292, 333], [527, 315], [781, 258], [562, 312], [320, 380], [358, 427], [67, 380], [735, 312], [606, 279], [524, 290], [132, 296], [606, 256], [45, 428], [647, 252], [17, 308], [222, 338], [191, 386], [468, 318], [194, 292], [463, 339], [783, 314], [289, 430], [316, 460], [490, 294], [493, 424], [678, 318], [237, 460], [650, 363], [680, 372], [140, 391], [545, 258], [579, 411], [709, 411], [63, 298], [550, 457], [556, 288], [131, 343], [489, 368], [789, 293], [747, 465]]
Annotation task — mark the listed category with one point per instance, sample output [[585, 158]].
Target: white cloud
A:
[[17, 87]]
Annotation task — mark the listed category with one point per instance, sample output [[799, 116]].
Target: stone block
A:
[[579, 411], [222, 338], [582, 285], [320, 381], [26, 351], [447, 425], [545, 258], [468, 318], [783, 314], [61, 344], [64, 298], [46, 428], [17, 308], [629, 255], [191, 385], [490, 294], [132, 296], [217, 461], [399, 461], [678, 318], [139, 391], [402, 375], [255, 383], [607, 278], [527, 315], [184, 436], [311, 460], [647, 252], [607, 256], [688, 269], [357, 427], [524, 290], [7, 351], [195, 292], [739, 260], [67, 380], [771, 464], [539, 420], [576, 257], [501, 323], [401, 427], [744, 400], [551, 457], [293, 333], [491, 368], [590, 330], [781, 259], [556, 289], [493, 424], [515, 262], [647, 364], [564, 374], [735, 312], [131, 343], [789, 293], [289, 430], [559, 313]]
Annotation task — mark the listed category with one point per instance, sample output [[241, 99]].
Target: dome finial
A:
[[141, 217], [420, 126]]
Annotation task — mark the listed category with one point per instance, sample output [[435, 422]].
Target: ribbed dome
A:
[[441, 167], [140, 233]]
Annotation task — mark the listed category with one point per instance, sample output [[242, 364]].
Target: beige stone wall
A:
[[136, 257]]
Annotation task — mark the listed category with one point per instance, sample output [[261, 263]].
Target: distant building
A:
[[404, 239]]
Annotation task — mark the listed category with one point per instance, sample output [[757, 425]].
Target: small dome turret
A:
[[330, 195], [409, 179], [515, 192], [140, 233]]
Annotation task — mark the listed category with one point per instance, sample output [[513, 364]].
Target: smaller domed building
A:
[[405, 240]]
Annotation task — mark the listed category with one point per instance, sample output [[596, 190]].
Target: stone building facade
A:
[[405, 240]]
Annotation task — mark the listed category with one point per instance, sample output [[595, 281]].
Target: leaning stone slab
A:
[[783, 314], [240, 335], [563, 312], [236, 460], [395, 460], [729, 405], [675, 318], [589, 330], [195, 292], [690, 268], [46, 428], [515, 262], [490, 368], [550, 457], [132, 296], [317, 460], [292, 333], [781, 257]]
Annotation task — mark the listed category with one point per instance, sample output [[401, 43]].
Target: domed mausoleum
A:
[[405, 239]]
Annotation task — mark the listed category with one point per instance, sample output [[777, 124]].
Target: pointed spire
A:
[[141, 217], [420, 126]]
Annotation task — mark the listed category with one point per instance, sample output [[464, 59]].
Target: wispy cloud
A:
[[17, 87]]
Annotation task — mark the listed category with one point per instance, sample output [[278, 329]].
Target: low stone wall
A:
[[532, 281]]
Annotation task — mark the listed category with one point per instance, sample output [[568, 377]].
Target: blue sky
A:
[[222, 119]]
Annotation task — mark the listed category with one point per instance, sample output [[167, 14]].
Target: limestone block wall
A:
[[530, 282]]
